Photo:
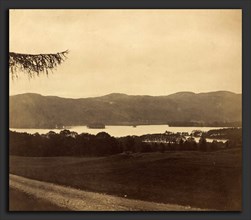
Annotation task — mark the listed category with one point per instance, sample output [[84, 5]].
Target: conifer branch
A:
[[34, 63]]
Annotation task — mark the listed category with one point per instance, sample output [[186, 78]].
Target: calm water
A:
[[119, 131]]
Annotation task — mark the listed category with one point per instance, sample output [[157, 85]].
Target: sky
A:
[[137, 52]]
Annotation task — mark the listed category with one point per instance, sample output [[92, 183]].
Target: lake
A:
[[120, 131]]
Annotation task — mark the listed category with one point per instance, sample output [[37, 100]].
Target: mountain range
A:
[[218, 108]]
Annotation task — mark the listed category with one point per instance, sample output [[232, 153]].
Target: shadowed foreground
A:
[[21, 201], [51, 197], [206, 180]]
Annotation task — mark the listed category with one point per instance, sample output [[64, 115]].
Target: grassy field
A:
[[209, 180], [80, 200]]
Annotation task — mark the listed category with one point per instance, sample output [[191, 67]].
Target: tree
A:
[[103, 135], [162, 148], [129, 143], [34, 63], [203, 144], [65, 133]]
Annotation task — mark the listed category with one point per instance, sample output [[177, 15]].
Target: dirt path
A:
[[21, 201], [79, 200]]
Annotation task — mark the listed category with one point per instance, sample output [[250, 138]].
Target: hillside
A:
[[36, 111], [68, 198], [206, 180]]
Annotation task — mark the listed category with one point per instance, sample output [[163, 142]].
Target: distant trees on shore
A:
[[68, 143]]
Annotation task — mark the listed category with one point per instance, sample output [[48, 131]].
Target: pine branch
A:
[[34, 63]]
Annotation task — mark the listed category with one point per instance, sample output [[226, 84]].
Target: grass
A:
[[209, 180], [20, 201]]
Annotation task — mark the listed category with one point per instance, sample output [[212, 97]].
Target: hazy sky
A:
[[144, 52]]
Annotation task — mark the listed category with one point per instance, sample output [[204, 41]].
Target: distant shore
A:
[[234, 124]]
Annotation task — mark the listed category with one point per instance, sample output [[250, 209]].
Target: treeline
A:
[[65, 143], [68, 143], [135, 144], [204, 124], [225, 133]]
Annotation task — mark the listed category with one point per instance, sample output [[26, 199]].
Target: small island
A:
[[96, 126]]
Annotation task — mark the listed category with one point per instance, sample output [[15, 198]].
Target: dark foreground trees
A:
[[65, 143], [68, 143]]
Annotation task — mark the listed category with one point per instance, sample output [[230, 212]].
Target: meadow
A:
[[208, 180]]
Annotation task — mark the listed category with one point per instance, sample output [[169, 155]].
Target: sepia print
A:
[[125, 110]]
